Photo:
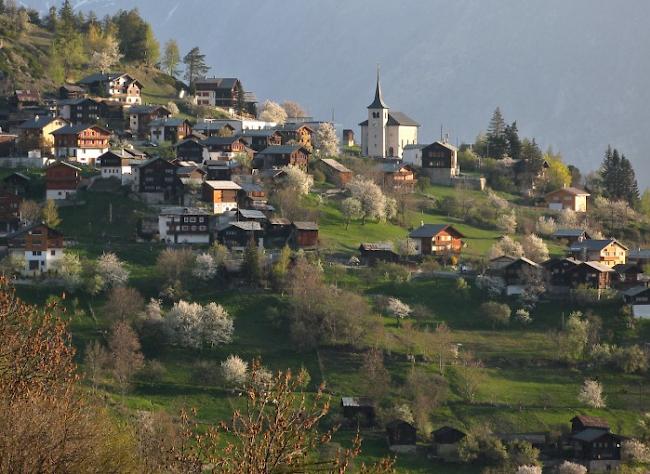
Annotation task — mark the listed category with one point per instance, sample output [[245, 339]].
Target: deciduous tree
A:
[[50, 214], [272, 112], [171, 58], [326, 140], [112, 270], [591, 394]]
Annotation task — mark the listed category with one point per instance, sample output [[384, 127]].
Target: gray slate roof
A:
[[280, 149], [594, 245], [37, 123], [569, 232]]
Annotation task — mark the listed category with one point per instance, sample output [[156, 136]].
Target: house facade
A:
[[283, 155], [168, 130], [82, 110], [385, 134], [116, 164], [224, 92], [296, 134], [396, 175], [9, 212], [436, 239], [156, 179], [221, 195], [258, 140], [116, 86], [40, 246], [184, 225], [82, 143], [61, 180], [594, 275], [37, 133], [609, 252], [140, 116], [570, 198], [335, 172], [440, 162], [223, 148]]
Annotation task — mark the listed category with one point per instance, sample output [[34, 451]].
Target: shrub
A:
[[234, 370]]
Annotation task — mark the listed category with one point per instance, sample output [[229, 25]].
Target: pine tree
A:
[[496, 135], [195, 67], [251, 265], [241, 101], [514, 143], [629, 185]]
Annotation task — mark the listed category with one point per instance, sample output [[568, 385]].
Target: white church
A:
[[385, 134]]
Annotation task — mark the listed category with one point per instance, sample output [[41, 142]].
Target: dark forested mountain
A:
[[573, 74]]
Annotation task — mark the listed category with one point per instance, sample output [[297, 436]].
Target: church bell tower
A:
[[377, 121]]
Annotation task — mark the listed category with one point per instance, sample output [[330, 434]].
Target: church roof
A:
[[396, 118], [378, 103]]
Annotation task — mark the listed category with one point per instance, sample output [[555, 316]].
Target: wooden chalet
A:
[[571, 235], [609, 252], [214, 129], [638, 295], [24, 98], [251, 215], [258, 140], [140, 116], [497, 264], [445, 442], [71, 91], [190, 149], [169, 129], [17, 183], [360, 410], [224, 92], [304, 234], [223, 148], [82, 142], [116, 86], [334, 171], [396, 175], [628, 275], [278, 228], [594, 445], [9, 212], [515, 273], [41, 247], [157, 180], [401, 433], [639, 256], [252, 195], [184, 225], [82, 110], [296, 133], [436, 239], [283, 155], [239, 234], [36, 133], [219, 170], [372, 253], [594, 275], [8, 144], [61, 180], [439, 162], [222, 196], [557, 270]]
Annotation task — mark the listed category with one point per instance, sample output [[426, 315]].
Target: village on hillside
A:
[[469, 307]]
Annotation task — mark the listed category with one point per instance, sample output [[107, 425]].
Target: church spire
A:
[[378, 103]]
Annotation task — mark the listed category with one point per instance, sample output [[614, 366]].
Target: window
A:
[[53, 252], [36, 253], [33, 264]]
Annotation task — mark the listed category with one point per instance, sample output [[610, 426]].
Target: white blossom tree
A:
[[506, 246], [205, 268], [522, 316], [529, 470], [112, 270], [153, 310], [107, 55], [507, 222], [69, 270], [195, 326], [326, 140], [569, 219], [297, 180], [234, 370], [545, 226], [217, 325], [568, 467], [534, 248], [591, 394], [635, 451], [351, 209], [372, 199], [398, 309], [272, 112]]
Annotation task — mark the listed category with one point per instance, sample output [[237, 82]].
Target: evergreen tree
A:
[[513, 141], [629, 185], [171, 58], [618, 178], [241, 101], [51, 19], [66, 15], [195, 67], [496, 135], [251, 266], [137, 41]]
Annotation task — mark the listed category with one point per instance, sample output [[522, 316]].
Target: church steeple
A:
[[378, 103]]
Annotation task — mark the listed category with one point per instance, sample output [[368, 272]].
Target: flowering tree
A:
[[635, 451], [234, 370], [529, 470], [398, 309], [272, 112], [545, 226], [205, 267], [506, 246], [193, 325], [297, 180], [69, 270], [327, 142], [571, 468], [351, 209], [217, 325], [507, 222], [372, 199], [112, 270], [591, 394], [534, 248]]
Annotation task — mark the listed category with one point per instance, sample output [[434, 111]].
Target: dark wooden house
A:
[[396, 175], [304, 234], [190, 150], [628, 275], [82, 110], [571, 235], [557, 270], [516, 272], [61, 180], [259, 140], [335, 172], [445, 442], [222, 170], [17, 183], [599, 449], [582, 422], [283, 155], [638, 295], [401, 433], [9, 211], [437, 239], [71, 91], [159, 176], [372, 253], [594, 275], [239, 234], [296, 133], [359, 409], [440, 161]]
